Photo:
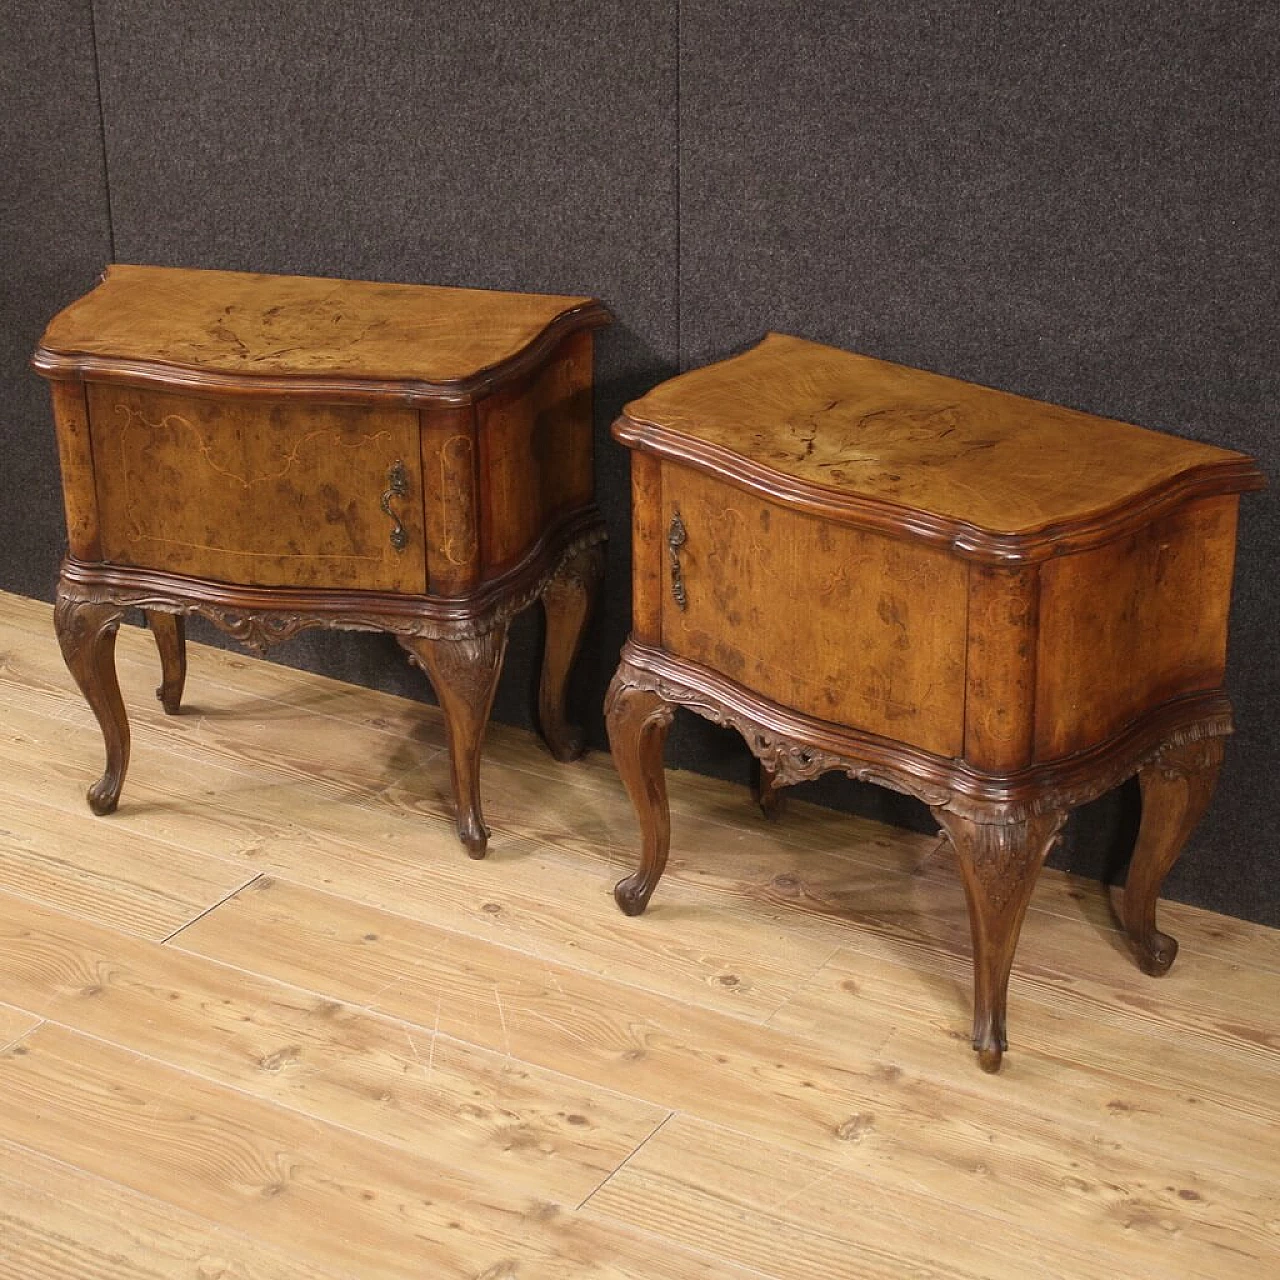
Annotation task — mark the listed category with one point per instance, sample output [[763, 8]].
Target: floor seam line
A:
[[253, 879]]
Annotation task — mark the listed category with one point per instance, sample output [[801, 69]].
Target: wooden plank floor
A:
[[268, 1021]]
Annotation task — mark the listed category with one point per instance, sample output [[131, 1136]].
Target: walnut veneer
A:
[[280, 452], [999, 606]]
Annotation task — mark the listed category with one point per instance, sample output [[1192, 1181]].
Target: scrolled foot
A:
[[632, 894], [473, 834], [1155, 953], [990, 1056], [565, 742], [104, 795], [990, 1039]]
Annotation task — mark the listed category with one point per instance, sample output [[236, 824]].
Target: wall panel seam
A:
[[102, 129]]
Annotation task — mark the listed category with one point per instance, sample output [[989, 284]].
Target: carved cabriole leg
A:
[[1176, 789], [638, 720], [87, 636], [770, 794], [464, 673], [567, 600], [170, 632], [999, 862]]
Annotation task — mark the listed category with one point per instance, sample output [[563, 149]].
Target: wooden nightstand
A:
[[1001, 607], [278, 452]]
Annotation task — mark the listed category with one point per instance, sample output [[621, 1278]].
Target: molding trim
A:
[[969, 541], [334, 389], [260, 617]]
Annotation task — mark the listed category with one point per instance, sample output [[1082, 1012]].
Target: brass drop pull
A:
[[676, 538], [397, 487]]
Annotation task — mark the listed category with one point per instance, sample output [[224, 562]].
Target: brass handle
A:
[[676, 538], [397, 487]]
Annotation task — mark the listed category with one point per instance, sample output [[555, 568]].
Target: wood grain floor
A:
[[268, 1021]]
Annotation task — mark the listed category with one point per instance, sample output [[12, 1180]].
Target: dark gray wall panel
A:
[[527, 147], [54, 237], [1074, 202]]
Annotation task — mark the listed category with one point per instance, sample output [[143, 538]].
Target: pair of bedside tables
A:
[[1001, 607]]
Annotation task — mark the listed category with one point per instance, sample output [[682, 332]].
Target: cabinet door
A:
[[282, 494], [843, 624]]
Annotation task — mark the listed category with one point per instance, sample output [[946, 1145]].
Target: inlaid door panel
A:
[[259, 492], [843, 624]]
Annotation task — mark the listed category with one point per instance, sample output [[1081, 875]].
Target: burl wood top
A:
[[828, 427], [218, 326]]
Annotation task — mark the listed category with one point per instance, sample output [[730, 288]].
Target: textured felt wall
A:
[[54, 242], [1072, 202]]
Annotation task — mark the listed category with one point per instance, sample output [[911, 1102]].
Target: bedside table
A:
[[278, 452], [1001, 607]]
